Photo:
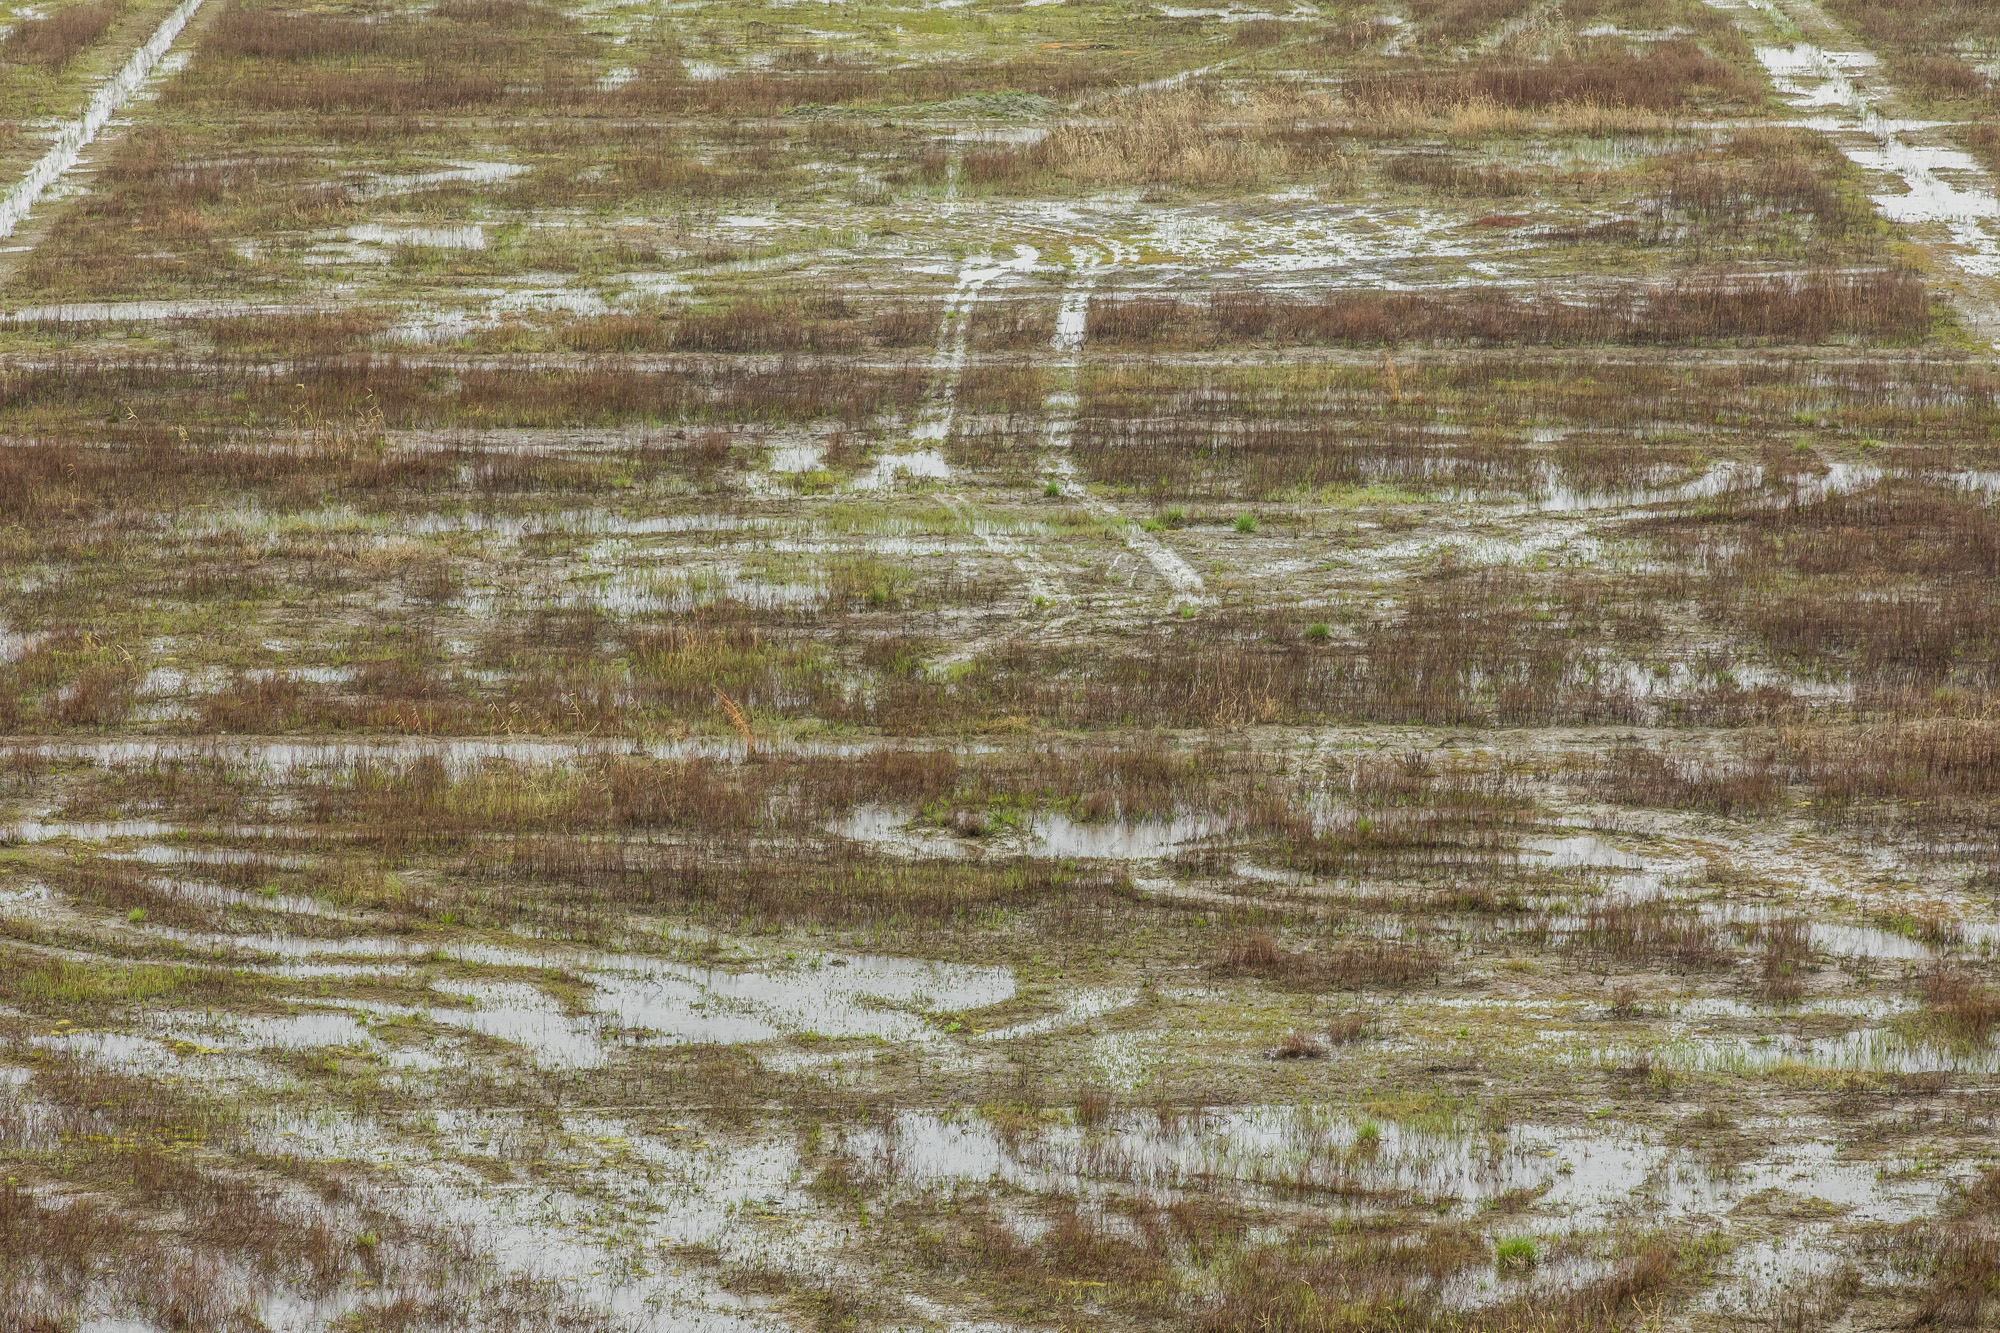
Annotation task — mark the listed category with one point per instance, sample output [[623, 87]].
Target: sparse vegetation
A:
[[54, 40], [1044, 667]]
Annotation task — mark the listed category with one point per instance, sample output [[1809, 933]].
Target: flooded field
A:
[[999, 667]]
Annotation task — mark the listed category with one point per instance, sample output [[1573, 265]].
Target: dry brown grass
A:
[[1923, 36], [140, 1207], [1257, 951], [1342, 1029], [1189, 139], [1361, 1279], [1755, 176], [309, 334], [1640, 776], [1178, 139], [1441, 173], [1457, 651], [463, 58], [811, 78], [1890, 584], [1786, 948], [1809, 307], [1419, 113], [54, 41], [1956, 1258], [1649, 934], [1930, 778], [1339, 965], [340, 405], [1964, 1005], [1984, 139], [1134, 319], [1298, 1045]]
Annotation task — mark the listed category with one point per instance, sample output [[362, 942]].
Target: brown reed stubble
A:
[[123, 1188], [723, 846], [454, 62], [587, 842], [316, 397], [775, 323], [53, 40], [1336, 964], [1409, 669], [1668, 76], [1956, 1258], [461, 59], [1646, 777], [1392, 1272], [1810, 307], [1889, 584], [1648, 934], [1193, 139], [1920, 29]]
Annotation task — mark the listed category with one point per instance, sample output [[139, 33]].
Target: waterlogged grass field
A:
[[986, 667]]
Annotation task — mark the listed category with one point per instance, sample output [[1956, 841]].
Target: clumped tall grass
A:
[[55, 40], [1349, 1280], [1926, 41], [455, 61], [1889, 584], [1956, 1258], [1400, 817], [1756, 175], [126, 1189], [1639, 776], [1650, 934], [1184, 138], [1339, 965], [1787, 955], [1967, 1009]]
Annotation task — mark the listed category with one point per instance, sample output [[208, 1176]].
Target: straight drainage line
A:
[[78, 134]]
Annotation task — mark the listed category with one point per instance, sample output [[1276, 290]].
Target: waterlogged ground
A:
[[999, 666]]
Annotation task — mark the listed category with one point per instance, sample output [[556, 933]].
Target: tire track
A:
[[1059, 411], [1839, 84], [79, 134], [933, 423], [932, 426]]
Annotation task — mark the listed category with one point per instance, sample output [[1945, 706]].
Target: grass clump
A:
[[54, 40]]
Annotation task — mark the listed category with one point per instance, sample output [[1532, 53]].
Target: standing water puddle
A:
[[1581, 1175], [644, 1000]]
